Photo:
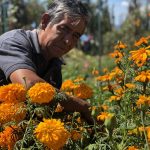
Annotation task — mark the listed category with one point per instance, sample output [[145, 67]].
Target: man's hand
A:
[[73, 104]]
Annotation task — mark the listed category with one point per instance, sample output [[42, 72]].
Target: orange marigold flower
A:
[[148, 133], [12, 112], [41, 93], [140, 56], [144, 76], [118, 55], [12, 92], [106, 77], [79, 79], [130, 85], [115, 98], [119, 93], [67, 85], [83, 91], [143, 100], [102, 116], [120, 45], [141, 41], [52, 133], [75, 135], [59, 108], [104, 107], [8, 137], [79, 120], [132, 148]]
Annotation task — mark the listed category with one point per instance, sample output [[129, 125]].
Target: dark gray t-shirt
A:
[[19, 49]]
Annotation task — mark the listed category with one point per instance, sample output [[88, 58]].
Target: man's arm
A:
[[72, 104], [26, 77]]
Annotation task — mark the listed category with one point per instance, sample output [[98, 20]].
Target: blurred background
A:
[[111, 20]]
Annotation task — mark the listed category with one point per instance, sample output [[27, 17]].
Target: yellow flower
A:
[[102, 116], [130, 85], [12, 92], [144, 76], [106, 77], [78, 79], [41, 93], [143, 100], [75, 135], [83, 91], [120, 45], [67, 85], [148, 133], [51, 132], [140, 56], [115, 98], [9, 137], [12, 112], [118, 94], [117, 55], [141, 41], [132, 148], [104, 107], [59, 108]]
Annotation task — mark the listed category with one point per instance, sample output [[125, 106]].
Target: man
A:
[[35, 55]]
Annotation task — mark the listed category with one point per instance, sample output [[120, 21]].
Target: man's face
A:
[[56, 40]]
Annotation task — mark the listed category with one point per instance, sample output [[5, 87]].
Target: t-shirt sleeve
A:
[[15, 54]]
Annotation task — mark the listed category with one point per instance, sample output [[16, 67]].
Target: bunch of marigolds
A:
[[119, 98], [28, 118]]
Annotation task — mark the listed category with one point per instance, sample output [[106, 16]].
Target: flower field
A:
[[120, 97]]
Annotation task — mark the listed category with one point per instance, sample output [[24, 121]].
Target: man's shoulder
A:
[[14, 36], [18, 34]]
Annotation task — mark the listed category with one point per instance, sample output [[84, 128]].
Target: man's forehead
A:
[[74, 23]]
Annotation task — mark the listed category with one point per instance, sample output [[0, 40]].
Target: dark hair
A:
[[72, 8]]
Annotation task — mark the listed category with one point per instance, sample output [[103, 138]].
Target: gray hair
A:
[[72, 8]]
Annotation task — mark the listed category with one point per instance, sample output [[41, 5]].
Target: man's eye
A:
[[63, 29]]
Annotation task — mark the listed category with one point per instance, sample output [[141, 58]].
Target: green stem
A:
[[26, 131], [142, 119]]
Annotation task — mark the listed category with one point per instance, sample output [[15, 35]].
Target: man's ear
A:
[[45, 20]]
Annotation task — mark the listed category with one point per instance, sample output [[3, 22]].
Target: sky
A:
[[120, 9]]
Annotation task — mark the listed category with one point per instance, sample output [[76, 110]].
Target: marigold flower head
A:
[[12, 92], [75, 135], [59, 108], [148, 133], [141, 41], [144, 76], [106, 77], [120, 45], [12, 112], [117, 55], [78, 79], [117, 72], [115, 98], [41, 93], [67, 85], [8, 137], [102, 116], [52, 133], [104, 107], [140, 56], [130, 85], [132, 148], [143, 100], [83, 91]]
